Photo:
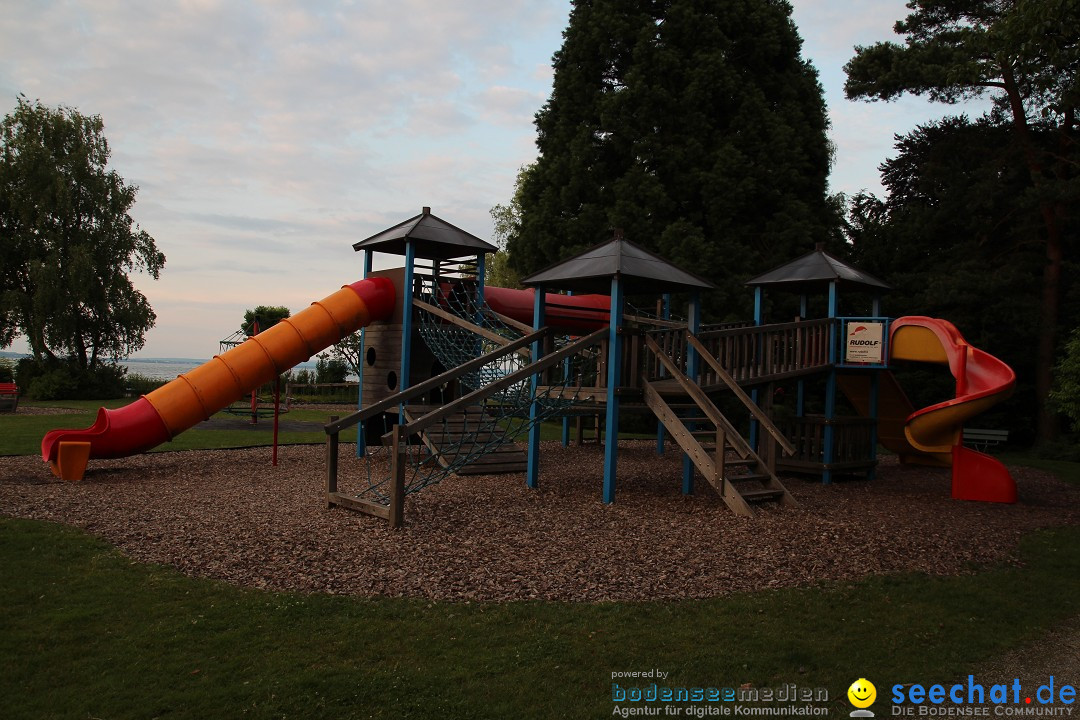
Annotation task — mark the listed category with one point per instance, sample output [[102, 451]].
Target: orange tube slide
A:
[[195, 396]]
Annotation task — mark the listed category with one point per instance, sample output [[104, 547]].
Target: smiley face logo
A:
[[862, 693]]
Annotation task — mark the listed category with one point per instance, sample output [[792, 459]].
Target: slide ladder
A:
[[724, 458]]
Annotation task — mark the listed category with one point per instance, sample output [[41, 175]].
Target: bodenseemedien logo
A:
[[862, 694]]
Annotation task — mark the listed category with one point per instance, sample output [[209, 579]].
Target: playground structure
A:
[[455, 371]]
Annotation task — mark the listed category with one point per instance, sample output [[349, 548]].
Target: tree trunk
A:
[[1046, 428]]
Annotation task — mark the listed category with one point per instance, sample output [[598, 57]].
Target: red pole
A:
[[277, 405], [255, 393]]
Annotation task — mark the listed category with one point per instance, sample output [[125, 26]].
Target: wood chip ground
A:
[[229, 515]]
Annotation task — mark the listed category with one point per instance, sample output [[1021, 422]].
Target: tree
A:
[[69, 241], [329, 369], [951, 238], [694, 126], [1026, 54], [347, 352], [264, 317], [507, 224]]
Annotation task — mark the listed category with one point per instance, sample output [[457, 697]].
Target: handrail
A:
[[756, 411], [432, 383], [771, 327], [422, 423], [698, 395], [506, 320]]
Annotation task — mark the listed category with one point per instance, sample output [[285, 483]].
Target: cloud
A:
[[268, 137]]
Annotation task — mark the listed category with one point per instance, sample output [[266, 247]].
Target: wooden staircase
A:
[[741, 477], [467, 431]]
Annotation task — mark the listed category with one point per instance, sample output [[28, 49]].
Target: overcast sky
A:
[[267, 137]]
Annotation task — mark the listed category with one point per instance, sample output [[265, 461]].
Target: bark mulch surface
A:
[[230, 515]]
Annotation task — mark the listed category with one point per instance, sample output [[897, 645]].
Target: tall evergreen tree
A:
[[695, 126], [1026, 55]]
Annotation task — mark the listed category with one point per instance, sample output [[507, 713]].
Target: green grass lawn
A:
[[21, 434], [90, 634], [87, 633]]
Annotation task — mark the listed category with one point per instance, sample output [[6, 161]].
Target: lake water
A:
[[165, 368]]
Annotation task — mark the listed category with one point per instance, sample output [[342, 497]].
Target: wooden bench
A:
[[982, 439], [9, 397]]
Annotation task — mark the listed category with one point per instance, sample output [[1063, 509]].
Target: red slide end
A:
[[378, 294], [125, 431]]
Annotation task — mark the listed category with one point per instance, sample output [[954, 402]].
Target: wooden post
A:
[[361, 442], [331, 464], [397, 480], [693, 325], [721, 455]]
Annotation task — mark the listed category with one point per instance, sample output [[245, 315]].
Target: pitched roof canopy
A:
[[433, 238], [640, 270], [814, 270]]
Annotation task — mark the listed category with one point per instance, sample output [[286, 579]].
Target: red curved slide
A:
[[934, 434], [982, 380], [195, 396]]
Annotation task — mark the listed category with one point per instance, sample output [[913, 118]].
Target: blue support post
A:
[[406, 324], [665, 313], [361, 441], [532, 469], [611, 429], [693, 363], [800, 392], [566, 418], [875, 390], [759, 319], [829, 453]]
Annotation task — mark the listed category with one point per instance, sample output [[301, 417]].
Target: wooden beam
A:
[[365, 506], [331, 465]]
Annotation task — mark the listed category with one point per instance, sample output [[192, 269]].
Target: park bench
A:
[[9, 397], [982, 439]]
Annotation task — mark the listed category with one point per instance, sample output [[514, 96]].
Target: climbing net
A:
[[480, 432]]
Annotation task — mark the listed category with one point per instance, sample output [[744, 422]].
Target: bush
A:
[[330, 370], [64, 380], [137, 384], [1065, 397]]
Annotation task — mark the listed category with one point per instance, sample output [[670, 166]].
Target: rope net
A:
[[486, 427]]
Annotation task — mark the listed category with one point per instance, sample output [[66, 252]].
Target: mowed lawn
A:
[[87, 633]]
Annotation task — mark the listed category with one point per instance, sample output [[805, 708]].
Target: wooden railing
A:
[[852, 439], [768, 352]]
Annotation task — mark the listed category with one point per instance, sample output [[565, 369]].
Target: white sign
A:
[[865, 342]]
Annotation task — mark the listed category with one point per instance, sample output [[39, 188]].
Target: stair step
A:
[[749, 477], [763, 495]]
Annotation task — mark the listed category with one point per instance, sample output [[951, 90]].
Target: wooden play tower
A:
[[454, 377]]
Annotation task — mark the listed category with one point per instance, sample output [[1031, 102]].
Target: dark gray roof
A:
[[814, 270], [432, 237], [641, 271]]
